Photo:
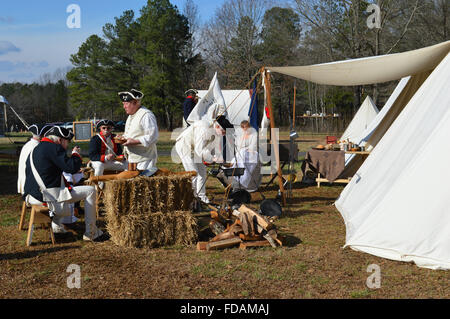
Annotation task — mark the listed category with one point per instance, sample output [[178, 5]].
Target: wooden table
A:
[[342, 180]]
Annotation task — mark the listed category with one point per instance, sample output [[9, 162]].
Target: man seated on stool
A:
[[104, 152], [45, 183], [38, 132]]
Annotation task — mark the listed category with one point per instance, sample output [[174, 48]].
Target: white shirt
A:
[[150, 126], [24, 153]]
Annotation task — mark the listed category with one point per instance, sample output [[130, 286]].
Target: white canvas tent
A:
[[362, 119], [396, 206], [237, 104], [352, 162]]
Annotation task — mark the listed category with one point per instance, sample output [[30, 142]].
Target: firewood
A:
[[250, 238], [201, 245], [122, 175], [255, 216], [223, 243], [269, 238], [246, 227], [259, 243], [216, 227], [222, 236], [274, 236], [236, 229]]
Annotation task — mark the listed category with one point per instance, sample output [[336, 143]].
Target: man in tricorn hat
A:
[[141, 133], [38, 131], [195, 147], [104, 152], [45, 182], [188, 105]]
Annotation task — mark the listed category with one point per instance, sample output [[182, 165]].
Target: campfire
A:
[[241, 227]]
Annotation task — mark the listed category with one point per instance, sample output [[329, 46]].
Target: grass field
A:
[[311, 264]]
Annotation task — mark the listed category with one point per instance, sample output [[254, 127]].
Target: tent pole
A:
[[275, 145], [293, 111]]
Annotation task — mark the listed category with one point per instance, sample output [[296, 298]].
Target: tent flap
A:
[[370, 70]]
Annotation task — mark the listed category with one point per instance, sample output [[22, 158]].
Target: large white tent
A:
[[396, 206], [362, 119], [352, 162]]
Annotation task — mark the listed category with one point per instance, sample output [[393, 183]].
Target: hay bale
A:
[[151, 230], [153, 194], [150, 211]]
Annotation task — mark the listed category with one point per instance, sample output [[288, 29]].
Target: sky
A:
[[38, 37]]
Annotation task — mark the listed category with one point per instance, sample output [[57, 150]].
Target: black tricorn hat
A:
[[133, 94], [223, 122], [39, 129], [35, 129], [191, 91], [60, 132], [104, 123]]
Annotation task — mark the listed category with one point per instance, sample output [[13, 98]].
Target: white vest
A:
[[133, 129]]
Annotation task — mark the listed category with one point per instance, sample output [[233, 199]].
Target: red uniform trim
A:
[[44, 139], [103, 146]]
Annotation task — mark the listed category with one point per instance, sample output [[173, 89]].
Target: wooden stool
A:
[[22, 216], [39, 215]]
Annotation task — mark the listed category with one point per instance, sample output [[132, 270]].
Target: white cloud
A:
[[6, 47]]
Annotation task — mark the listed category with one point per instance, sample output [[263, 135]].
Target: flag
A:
[[211, 105], [253, 110]]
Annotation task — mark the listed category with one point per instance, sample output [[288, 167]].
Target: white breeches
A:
[[100, 167], [89, 195], [199, 181]]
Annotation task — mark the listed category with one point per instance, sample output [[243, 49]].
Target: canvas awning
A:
[[3, 100], [370, 70]]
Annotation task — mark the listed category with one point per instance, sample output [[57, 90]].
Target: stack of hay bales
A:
[[150, 211]]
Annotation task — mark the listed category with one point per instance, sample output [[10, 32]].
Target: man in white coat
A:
[[38, 132], [141, 133], [195, 147]]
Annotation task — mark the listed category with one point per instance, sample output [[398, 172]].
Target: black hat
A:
[[223, 122], [35, 129], [45, 129], [131, 95], [194, 91], [60, 132], [104, 123], [269, 207], [39, 129]]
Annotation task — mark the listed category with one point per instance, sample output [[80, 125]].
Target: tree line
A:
[[163, 51]]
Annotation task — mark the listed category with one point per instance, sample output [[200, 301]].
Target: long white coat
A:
[[24, 153]]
